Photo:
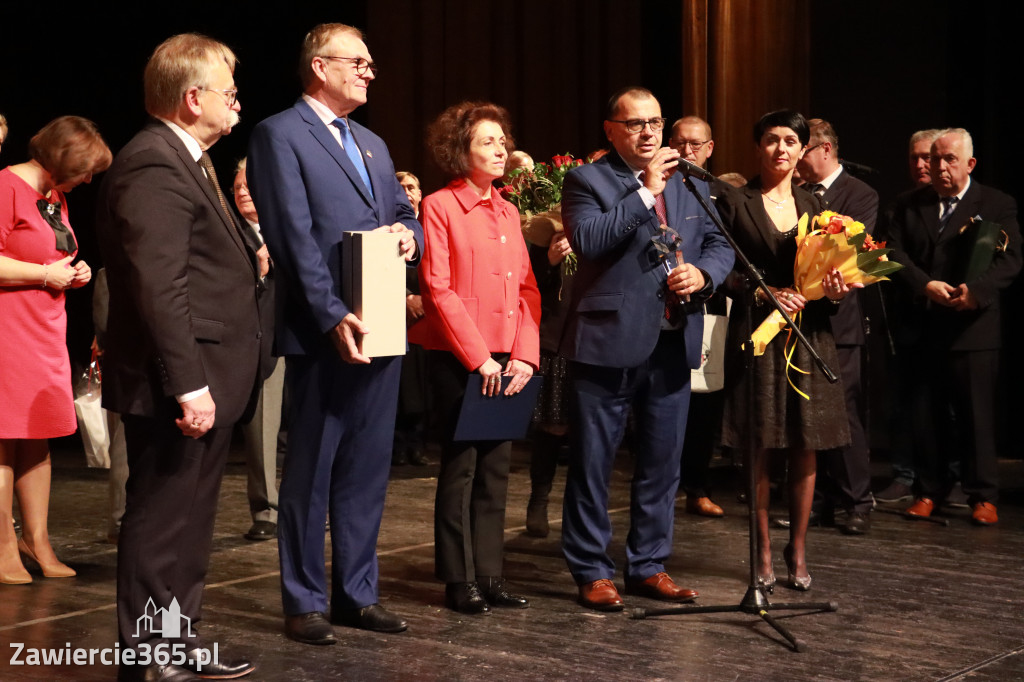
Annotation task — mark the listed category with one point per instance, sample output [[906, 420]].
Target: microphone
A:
[[857, 168], [695, 170]]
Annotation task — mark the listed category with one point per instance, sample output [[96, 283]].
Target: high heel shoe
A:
[[54, 570], [767, 582], [21, 577], [796, 583]]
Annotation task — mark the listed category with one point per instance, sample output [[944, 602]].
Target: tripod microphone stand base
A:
[[754, 602]]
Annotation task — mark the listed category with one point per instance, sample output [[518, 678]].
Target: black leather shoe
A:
[[417, 457], [823, 519], [496, 593], [261, 530], [373, 617], [309, 628], [168, 673], [216, 670], [465, 598], [857, 523]]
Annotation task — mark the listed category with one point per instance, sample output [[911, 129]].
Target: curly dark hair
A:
[[449, 136]]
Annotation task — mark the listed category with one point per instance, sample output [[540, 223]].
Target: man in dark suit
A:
[[847, 480], [315, 174], [261, 433], [691, 137], [631, 344], [949, 324], [183, 354]]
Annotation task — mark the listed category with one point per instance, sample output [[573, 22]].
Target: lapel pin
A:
[[369, 153]]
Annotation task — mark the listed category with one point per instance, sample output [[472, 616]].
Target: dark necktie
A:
[[948, 206], [815, 188], [352, 151], [207, 164], [673, 308]]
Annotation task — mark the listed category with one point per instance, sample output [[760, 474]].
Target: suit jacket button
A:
[[259, 335], [661, 294]]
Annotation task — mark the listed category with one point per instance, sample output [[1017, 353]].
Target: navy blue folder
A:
[[499, 417]]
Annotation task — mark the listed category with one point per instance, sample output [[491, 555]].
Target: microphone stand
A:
[[755, 600]]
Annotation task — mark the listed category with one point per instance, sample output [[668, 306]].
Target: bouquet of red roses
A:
[[835, 241], [537, 193]]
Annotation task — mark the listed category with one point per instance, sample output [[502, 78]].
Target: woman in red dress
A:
[[37, 248], [482, 311]]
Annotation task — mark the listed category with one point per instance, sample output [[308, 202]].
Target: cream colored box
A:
[[373, 287]]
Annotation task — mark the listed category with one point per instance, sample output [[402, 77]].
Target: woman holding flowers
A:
[[482, 311], [795, 409]]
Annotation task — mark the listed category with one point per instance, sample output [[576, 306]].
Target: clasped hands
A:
[[958, 298], [197, 416], [62, 275], [491, 373]]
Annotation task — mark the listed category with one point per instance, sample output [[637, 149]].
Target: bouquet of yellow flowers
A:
[[836, 241]]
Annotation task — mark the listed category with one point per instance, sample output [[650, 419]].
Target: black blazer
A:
[[183, 288], [742, 211], [855, 198], [927, 255]]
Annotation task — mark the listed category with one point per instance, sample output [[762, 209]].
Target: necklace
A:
[[778, 204]]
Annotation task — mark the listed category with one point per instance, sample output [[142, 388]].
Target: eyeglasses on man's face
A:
[[361, 65], [694, 145], [635, 125], [230, 95]]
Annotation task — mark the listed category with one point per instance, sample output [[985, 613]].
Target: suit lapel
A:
[[373, 166], [195, 170], [928, 214], [835, 190], [754, 206], [326, 139]]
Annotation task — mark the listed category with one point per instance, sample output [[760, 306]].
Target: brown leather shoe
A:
[[660, 586], [600, 595], [984, 514], [703, 506], [922, 507]]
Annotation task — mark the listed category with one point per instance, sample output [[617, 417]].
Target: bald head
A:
[[691, 137]]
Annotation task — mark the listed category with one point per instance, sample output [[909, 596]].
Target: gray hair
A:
[[927, 135], [179, 63], [964, 136]]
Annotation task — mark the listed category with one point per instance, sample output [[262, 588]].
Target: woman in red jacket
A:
[[482, 312]]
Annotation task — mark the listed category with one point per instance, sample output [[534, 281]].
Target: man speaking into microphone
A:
[[631, 344]]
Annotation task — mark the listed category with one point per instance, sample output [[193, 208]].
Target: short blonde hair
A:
[[70, 146], [314, 44], [177, 64]]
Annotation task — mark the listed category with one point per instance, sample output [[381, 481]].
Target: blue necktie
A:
[[353, 152], [948, 206]]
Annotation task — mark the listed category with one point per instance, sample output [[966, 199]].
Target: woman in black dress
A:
[[763, 217]]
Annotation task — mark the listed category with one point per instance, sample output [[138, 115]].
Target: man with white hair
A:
[[182, 363], [949, 327]]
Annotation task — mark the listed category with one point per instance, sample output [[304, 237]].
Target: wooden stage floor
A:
[[917, 601]]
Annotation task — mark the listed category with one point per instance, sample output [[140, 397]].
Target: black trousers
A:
[[167, 531], [954, 415], [844, 474], [703, 427], [472, 486]]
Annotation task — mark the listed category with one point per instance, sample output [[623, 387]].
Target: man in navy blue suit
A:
[[634, 334], [315, 174]]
